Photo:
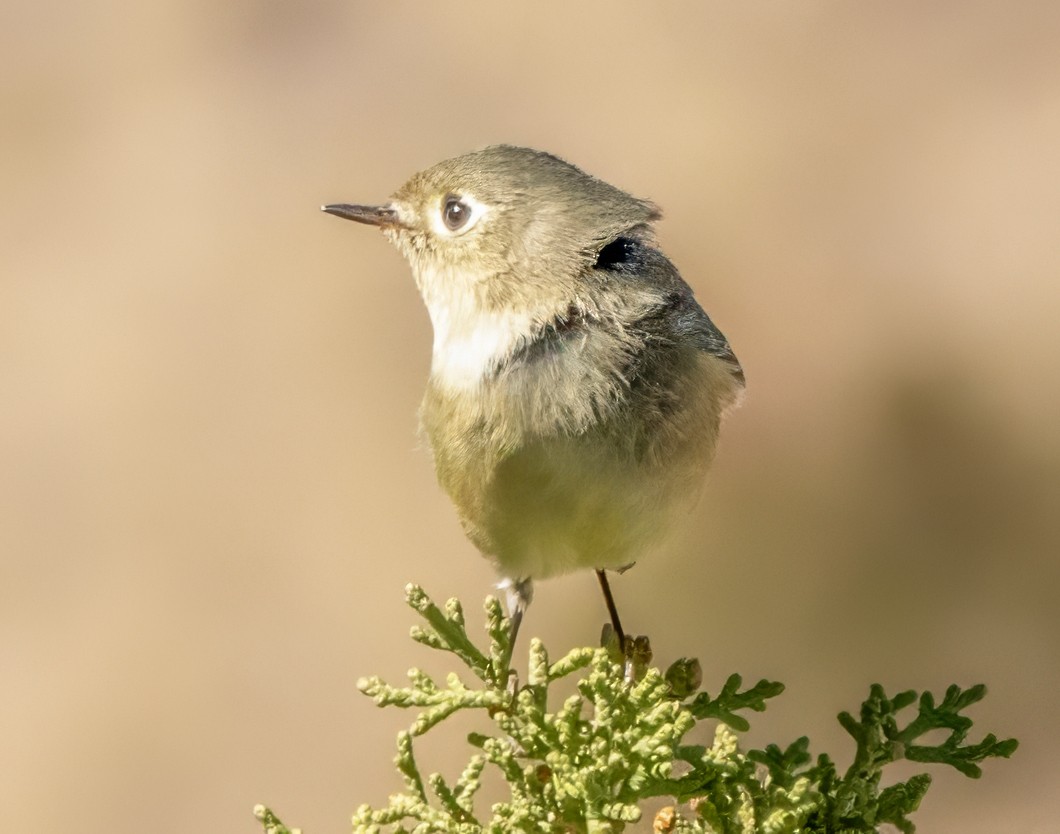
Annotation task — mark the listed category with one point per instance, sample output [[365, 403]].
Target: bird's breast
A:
[[545, 481]]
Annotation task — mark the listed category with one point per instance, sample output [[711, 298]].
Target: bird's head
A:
[[513, 227]]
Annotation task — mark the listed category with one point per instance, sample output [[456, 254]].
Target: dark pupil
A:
[[455, 213]]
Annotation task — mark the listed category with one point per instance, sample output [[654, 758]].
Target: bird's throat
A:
[[471, 338]]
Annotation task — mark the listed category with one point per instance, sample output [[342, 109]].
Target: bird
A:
[[576, 386]]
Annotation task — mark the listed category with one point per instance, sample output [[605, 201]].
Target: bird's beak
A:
[[372, 215]]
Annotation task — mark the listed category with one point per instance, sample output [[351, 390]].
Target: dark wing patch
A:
[[619, 251], [677, 318], [678, 315]]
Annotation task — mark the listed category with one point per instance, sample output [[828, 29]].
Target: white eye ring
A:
[[457, 214]]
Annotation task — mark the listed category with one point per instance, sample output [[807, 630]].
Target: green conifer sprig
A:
[[597, 761]]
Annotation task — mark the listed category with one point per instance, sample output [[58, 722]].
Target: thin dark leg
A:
[[519, 592], [616, 623]]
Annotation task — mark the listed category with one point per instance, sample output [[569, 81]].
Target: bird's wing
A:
[[677, 315]]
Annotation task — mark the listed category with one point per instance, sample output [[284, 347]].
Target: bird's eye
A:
[[455, 213]]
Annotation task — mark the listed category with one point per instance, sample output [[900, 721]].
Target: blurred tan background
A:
[[211, 491]]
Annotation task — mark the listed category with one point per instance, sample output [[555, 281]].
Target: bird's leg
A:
[[616, 623], [518, 594], [635, 651]]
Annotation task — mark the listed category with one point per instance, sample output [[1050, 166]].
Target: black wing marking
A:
[[678, 317]]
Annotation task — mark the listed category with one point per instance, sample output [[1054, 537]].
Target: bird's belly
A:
[[541, 495], [561, 505]]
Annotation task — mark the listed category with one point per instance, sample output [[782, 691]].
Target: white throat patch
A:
[[468, 341]]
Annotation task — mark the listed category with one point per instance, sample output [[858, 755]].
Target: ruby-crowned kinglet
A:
[[576, 386]]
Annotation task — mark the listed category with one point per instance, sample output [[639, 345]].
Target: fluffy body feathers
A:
[[576, 386]]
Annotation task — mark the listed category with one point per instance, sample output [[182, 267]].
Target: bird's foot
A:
[[632, 651]]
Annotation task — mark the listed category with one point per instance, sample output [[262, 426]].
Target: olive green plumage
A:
[[576, 388]]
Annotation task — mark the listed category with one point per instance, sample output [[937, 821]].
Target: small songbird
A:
[[576, 386]]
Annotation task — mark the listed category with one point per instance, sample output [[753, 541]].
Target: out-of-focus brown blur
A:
[[211, 491]]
